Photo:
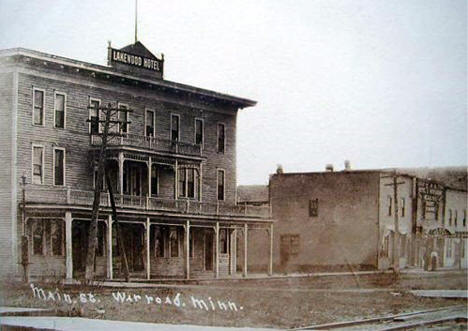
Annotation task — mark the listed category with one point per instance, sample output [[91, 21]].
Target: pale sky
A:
[[381, 83]]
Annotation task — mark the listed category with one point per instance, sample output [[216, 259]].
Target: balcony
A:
[[150, 143], [66, 196]]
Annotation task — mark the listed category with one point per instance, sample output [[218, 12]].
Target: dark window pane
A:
[[198, 132], [220, 185], [154, 180], [57, 237], [182, 179], [191, 183], [38, 237], [174, 241], [149, 124], [221, 138], [59, 166], [175, 127]]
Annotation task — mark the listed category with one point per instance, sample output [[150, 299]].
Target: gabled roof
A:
[[139, 49]]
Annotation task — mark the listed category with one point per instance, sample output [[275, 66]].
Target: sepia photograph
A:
[[233, 165]]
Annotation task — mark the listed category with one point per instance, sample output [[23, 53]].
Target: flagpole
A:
[[136, 19]]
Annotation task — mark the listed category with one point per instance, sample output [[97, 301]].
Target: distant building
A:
[[173, 170], [345, 220]]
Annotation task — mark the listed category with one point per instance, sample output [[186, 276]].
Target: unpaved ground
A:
[[263, 303]]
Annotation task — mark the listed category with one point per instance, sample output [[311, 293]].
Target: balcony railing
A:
[[151, 143], [54, 195]]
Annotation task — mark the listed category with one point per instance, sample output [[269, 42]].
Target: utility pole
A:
[[24, 238], [109, 113], [396, 236]]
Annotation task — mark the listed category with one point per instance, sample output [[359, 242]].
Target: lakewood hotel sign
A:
[[136, 60]]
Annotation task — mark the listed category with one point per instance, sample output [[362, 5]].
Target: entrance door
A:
[[209, 251]]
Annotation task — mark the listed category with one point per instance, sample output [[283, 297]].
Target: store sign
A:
[[431, 195], [118, 56]]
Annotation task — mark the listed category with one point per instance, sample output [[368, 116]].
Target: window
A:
[[56, 237], [221, 137], [38, 107], [403, 245], [47, 236], [175, 127], [187, 182], [154, 180], [313, 207], [149, 123], [389, 202], [198, 131], [464, 218], [403, 207], [123, 115], [94, 126], [174, 242], [450, 217], [455, 218], [59, 106], [220, 179], [223, 241], [38, 237], [449, 248], [38, 165], [158, 243], [59, 166]]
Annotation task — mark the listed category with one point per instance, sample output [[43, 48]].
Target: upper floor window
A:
[[174, 242], [187, 182], [450, 217], [390, 203], [149, 123], [198, 131], [464, 217], [220, 180], [403, 207], [123, 115], [221, 137], [59, 166], [38, 164], [94, 125], [38, 107], [223, 241], [455, 218], [175, 119], [59, 107], [313, 207]]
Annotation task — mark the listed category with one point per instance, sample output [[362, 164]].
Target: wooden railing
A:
[[151, 143], [57, 195]]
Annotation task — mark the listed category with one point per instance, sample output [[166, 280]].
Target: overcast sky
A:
[[381, 83]]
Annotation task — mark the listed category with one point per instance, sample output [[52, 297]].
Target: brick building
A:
[[173, 169], [342, 220]]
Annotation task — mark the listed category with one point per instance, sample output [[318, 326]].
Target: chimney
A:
[[347, 165], [329, 167]]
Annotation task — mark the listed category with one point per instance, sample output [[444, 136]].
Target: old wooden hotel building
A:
[[173, 170]]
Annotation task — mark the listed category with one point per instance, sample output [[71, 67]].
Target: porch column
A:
[[245, 249], [217, 249], [270, 266], [176, 179], [148, 255], [149, 163], [121, 176], [233, 251], [68, 245], [187, 249], [200, 183], [110, 271]]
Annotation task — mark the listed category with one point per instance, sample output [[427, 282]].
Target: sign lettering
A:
[[136, 60]]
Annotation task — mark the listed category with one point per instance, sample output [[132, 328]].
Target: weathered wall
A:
[[8, 180], [345, 231]]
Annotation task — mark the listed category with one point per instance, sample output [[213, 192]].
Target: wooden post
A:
[[217, 249], [150, 166], [187, 249], [148, 255], [68, 245], [110, 270], [245, 249], [270, 266], [176, 180], [121, 176]]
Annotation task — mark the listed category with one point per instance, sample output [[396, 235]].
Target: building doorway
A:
[[209, 251]]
